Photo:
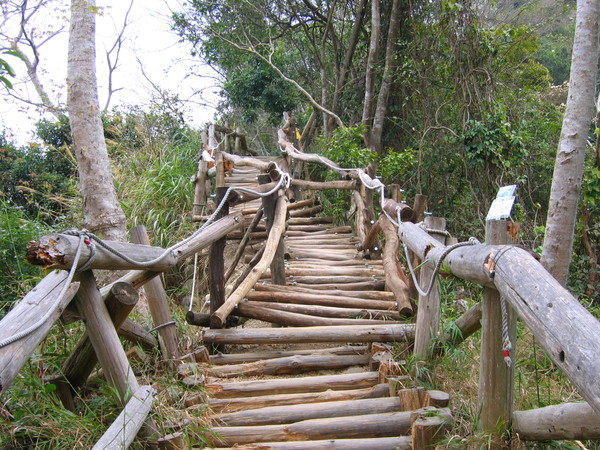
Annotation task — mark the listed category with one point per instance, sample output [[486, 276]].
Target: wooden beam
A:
[[395, 279], [124, 429], [557, 422], [342, 333], [35, 305], [384, 443]]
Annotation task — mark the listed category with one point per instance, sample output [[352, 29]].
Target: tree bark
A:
[[568, 168], [370, 72], [102, 212]]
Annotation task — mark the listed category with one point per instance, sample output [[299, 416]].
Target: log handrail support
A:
[[563, 327]]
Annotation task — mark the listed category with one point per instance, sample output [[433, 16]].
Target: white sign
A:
[[502, 205]]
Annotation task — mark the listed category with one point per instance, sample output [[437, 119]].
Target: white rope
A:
[[193, 281], [52, 309]]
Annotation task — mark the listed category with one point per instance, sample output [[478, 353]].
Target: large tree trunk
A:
[[568, 169], [386, 81], [102, 213], [370, 71]]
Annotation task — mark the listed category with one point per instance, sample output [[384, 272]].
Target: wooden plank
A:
[[385, 443], [343, 333], [319, 299], [28, 311], [319, 383], [332, 311], [239, 358], [365, 294], [271, 415], [123, 430], [244, 403]]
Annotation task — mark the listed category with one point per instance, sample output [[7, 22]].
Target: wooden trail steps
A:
[[315, 367]]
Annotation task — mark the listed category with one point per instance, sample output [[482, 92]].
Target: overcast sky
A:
[[149, 44]]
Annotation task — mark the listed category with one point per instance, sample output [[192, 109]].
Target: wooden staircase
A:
[[316, 366]]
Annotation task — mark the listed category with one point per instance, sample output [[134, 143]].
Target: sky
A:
[[149, 47]]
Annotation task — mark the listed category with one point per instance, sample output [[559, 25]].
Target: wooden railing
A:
[[566, 330]]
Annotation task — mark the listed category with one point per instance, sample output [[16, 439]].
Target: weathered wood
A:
[[56, 250], [220, 175], [359, 216], [384, 443], [305, 212], [242, 245], [395, 279], [333, 311], [241, 404], [409, 399], [158, 304], [324, 185], [343, 333], [438, 399], [393, 208], [293, 319], [310, 220], [277, 266], [210, 234], [239, 358], [289, 364], [371, 425], [123, 430], [244, 161], [464, 326], [319, 299], [360, 271], [495, 395], [427, 430], [200, 188], [557, 422], [326, 279], [367, 294], [80, 364], [35, 305], [104, 338], [137, 334], [358, 286], [320, 383], [197, 318], [271, 415], [216, 260], [175, 441], [428, 315]]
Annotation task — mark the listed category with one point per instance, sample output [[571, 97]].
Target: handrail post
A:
[[428, 313], [278, 264], [495, 376], [216, 260]]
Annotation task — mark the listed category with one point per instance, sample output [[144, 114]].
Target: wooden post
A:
[[80, 364], [158, 303], [495, 376], [216, 262], [395, 192], [220, 179], [278, 263], [104, 338], [200, 188], [242, 245], [428, 313]]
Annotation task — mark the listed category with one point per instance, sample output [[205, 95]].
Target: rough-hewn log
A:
[[332, 311], [271, 415], [137, 334], [324, 185], [216, 260], [197, 318], [464, 326], [310, 220], [496, 378], [428, 316], [557, 422], [277, 266], [562, 326], [395, 279], [371, 425], [320, 383], [239, 358], [319, 299], [305, 212], [428, 429], [343, 333], [210, 234], [158, 304], [245, 403], [367, 294], [242, 245], [123, 430], [336, 271], [80, 364], [364, 286], [239, 161], [289, 364], [56, 250], [385, 443], [28, 311], [393, 207], [104, 338], [219, 317], [294, 319]]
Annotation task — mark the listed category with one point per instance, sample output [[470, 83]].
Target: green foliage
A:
[[555, 52], [38, 179], [16, 275], [396, 167], [6, 70], [346, 148]]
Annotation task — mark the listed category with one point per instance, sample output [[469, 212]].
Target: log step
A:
[[387, 443], [239, 358]]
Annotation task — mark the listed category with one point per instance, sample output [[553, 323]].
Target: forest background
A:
[[451, 99]]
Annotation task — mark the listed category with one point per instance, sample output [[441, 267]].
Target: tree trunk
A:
[[370, 73], [102, 213], [568, 168]]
